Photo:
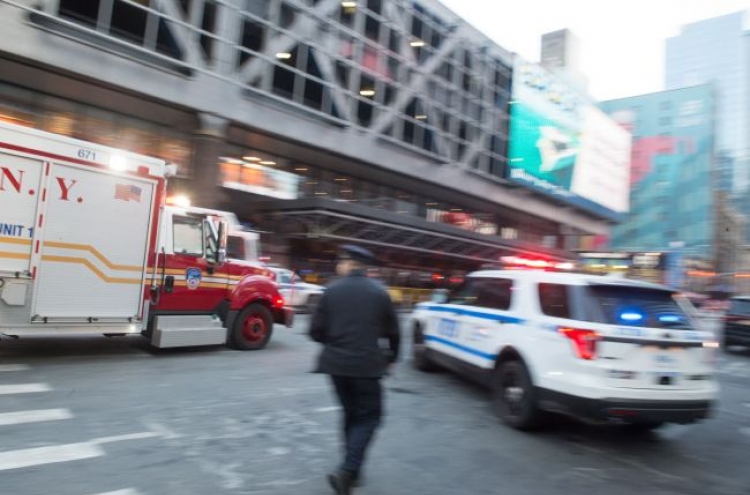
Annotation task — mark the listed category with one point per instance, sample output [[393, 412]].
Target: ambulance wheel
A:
[[420, 359], [514, 397], [252, 329]]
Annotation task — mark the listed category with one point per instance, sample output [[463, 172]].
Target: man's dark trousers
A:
[[361, 399]]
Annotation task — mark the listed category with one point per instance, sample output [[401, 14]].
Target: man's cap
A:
[[358, 254]]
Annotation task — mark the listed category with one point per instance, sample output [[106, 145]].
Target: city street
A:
[[109, 416]]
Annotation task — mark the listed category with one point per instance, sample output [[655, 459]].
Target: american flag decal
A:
[[127, 192]]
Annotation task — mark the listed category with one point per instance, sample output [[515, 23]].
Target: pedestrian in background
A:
[[351, 319]]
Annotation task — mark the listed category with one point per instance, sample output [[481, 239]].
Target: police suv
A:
[[594, 347]]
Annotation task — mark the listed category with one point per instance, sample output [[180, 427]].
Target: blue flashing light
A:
[[631, 316], [670, 318]]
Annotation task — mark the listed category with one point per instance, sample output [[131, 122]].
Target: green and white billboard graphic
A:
[[562, 145]]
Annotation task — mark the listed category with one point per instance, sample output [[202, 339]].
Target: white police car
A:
[[590, 346], [298, 294]]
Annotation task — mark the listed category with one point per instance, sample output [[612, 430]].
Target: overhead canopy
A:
[[314, 218]]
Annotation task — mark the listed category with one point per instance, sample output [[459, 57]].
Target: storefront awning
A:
[[314, 218]]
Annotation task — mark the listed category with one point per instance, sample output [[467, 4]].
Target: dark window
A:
[[208, 24], [235, 247], [128, 22], [485, 292], [283, 81], [83, 11], [465, 294], [287, 15], [252, 38], [494, 293], [637, 307], [553, 299]]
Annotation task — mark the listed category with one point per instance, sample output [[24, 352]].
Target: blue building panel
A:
[[671, 178]]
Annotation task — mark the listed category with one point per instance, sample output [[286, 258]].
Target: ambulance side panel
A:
[[94, 245], [75, 233]]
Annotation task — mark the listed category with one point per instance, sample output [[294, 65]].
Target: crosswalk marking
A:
[[328, 409], [14, 459], [25, 388], [21, 458], [34, 416], [129, 436], [14, 367]]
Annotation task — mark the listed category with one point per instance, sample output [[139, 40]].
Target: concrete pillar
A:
[[208, 145]]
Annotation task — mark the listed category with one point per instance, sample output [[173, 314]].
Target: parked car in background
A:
[[737, 322], [302, 296]]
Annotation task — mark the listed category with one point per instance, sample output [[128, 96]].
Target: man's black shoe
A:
[[358, 480], [341, 481]]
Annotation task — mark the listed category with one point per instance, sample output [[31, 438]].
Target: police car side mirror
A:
[[439, 296]]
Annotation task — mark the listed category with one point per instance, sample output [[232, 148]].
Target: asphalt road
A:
[[109, 416]]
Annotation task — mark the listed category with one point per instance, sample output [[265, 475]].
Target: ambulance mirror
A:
[[221, 251]]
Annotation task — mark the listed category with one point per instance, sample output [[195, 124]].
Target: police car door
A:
[[487, 323], [445, 332]]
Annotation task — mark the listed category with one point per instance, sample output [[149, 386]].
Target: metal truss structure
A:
[[405, 71]]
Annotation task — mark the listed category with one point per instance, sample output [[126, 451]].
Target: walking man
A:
[[353, 316]]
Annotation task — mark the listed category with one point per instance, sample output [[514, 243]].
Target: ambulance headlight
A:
[[118, 163]]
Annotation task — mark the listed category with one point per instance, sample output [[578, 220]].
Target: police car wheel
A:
[[252, 329], [514, 397], [420, 358]]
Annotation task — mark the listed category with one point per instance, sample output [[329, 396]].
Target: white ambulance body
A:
[[77, 223]]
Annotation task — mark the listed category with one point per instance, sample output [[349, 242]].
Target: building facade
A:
[[560, 54], [672, 174], [383, 122]]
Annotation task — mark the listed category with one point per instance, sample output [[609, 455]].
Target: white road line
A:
[[35, 416], [14, 459], [130, 436], [328, 409], [14, 367], [127, 491], [25, 388]]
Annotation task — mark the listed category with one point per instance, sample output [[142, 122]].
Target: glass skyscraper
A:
[[716, 51]]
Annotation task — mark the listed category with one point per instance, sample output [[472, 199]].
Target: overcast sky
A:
[[621, 41]]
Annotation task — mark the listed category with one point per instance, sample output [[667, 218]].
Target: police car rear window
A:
[[638, 307]]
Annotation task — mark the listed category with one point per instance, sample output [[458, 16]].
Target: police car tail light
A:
[[584, 341]]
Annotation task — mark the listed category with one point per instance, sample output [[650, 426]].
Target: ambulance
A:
[[88, 245]]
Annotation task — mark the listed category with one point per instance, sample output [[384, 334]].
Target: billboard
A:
[[258, 179], [562, 145]]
